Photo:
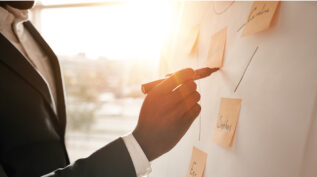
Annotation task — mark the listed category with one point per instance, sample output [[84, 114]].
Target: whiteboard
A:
[[276, 135]]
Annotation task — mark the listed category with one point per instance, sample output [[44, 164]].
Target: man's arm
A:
[[141, 163], [113, 160], [2, 173], [166, 114]]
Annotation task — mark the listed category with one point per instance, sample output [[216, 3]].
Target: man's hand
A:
[[166, 114]]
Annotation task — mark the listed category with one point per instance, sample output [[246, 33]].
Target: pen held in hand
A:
[[199, 74]]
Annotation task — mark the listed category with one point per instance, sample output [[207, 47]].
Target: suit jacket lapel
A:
[[61, 107], [19, 64]]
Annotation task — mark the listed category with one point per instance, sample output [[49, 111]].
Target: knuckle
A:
[[184, 75], [174, 78], [189, 70], [198, 107], [195, 111], [194, 86], [199, 96], [150, 96], [191, 86], [196, 96]]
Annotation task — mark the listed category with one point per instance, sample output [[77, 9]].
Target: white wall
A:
[[276, 134]]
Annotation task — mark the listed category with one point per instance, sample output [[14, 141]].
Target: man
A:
[[33, 118]]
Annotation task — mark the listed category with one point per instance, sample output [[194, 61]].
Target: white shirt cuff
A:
[[141, 164]]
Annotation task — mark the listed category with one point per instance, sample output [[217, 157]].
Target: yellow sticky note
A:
[[260, 16], [197, 163], [227, 121], [192, 39], [217, 49]]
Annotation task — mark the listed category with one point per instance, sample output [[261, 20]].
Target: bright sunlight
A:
[[131, 30]]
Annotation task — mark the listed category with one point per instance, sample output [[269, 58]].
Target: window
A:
[[106, 50]]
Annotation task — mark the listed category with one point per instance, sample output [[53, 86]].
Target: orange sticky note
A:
[[197, 163], [192, 39], [227, 121], [260, 16], [217, 49]]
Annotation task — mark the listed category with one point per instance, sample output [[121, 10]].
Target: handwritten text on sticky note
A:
[[217, 49], [197, 163], [192, 40], [260, 16], [227, 121]]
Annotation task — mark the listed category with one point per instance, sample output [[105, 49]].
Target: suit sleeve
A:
[[113, 160], [2, 173]]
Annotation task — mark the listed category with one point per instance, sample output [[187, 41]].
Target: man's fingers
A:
[[190, 116], [182, 92], [204, 72], [186, 104], [169, 84]]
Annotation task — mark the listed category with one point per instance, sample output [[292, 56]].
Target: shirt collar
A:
[[9, 15], [20, 15]]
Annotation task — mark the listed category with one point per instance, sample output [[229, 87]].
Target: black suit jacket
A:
[[32, 133]]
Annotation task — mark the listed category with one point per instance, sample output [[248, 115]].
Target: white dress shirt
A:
[[11, 27]]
